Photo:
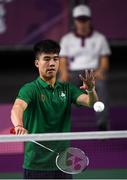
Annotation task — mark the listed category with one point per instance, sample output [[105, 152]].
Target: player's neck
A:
[[50, 81]]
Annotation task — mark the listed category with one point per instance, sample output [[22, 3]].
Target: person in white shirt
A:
[[82, 49]]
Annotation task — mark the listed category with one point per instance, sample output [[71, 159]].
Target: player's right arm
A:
[[17, 116]]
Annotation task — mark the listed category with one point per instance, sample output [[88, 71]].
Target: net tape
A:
[[64, 136]]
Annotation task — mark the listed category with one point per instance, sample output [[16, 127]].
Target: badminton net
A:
[[107, 152]]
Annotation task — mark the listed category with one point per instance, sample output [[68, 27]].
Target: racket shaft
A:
[[43, 146], [12, 131]]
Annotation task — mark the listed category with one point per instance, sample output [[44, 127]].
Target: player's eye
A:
[[47, 58], [56, 58]]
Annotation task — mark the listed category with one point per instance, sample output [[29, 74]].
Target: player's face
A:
[[82, 24], [47, 65]]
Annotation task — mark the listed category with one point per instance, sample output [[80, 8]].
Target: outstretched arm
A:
[[17, 116], [89, 86]]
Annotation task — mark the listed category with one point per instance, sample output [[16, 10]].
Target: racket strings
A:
[[72, 160]]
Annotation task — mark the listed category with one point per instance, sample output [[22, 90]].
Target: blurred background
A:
[[23, 23]]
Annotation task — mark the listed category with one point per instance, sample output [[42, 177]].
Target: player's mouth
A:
[[51, 70]]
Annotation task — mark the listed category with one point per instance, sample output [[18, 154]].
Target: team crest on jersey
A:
[[62, 96], [43, 97]]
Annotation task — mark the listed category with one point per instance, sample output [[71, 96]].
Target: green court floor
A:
[[88, 174]]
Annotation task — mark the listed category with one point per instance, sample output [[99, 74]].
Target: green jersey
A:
[[48, 111]]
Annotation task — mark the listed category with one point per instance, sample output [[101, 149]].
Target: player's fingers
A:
[[93, 74], [82, 78], [86, 74], [16, 131], [21, 130], [25, 131]]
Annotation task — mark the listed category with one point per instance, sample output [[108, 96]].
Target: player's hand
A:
[[20, 130], [88, 80]]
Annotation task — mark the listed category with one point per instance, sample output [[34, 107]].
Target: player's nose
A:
[[52, 62]]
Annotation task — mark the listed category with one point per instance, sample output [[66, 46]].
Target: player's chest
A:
[[53, 97]]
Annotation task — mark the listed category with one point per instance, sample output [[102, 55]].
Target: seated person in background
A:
[[83, 49]]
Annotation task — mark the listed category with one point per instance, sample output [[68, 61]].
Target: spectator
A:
[[86, 48]]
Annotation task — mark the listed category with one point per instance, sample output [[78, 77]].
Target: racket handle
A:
[[12, 131]]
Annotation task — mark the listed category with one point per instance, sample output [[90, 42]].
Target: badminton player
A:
[[44, 106]]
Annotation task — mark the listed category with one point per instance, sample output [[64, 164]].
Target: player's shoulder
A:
[[29, 85]]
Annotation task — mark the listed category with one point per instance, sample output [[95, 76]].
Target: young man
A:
[[86, 48], [43, 106]]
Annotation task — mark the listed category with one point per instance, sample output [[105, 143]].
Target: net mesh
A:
[[11, 148], [107, 152]]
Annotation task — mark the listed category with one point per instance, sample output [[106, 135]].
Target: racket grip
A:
[[12, 131]]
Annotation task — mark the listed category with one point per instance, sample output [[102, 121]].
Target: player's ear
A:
[[36, 63]]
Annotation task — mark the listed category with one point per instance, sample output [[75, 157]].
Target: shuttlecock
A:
[[98, 106]]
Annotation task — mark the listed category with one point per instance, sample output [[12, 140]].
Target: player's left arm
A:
[[89, 86], [87, 99]]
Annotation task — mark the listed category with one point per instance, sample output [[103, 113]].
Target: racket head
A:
[[72, 161]]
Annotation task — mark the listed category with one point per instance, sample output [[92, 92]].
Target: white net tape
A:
[[64, 136]]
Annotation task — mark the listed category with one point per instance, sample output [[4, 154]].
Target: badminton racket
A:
[[71, 161]]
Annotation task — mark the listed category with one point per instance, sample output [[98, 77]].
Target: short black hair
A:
[[46, 46]]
